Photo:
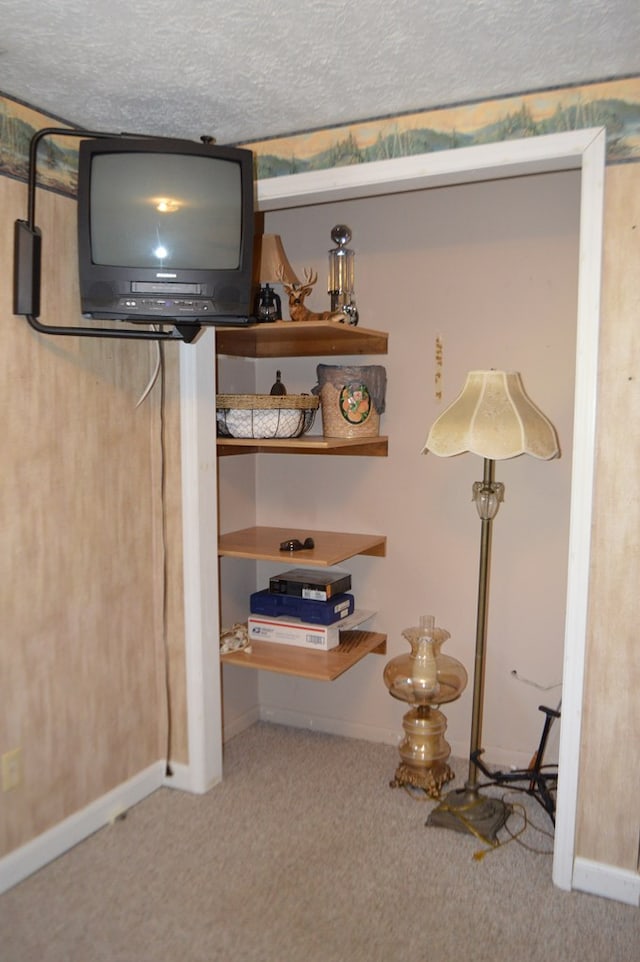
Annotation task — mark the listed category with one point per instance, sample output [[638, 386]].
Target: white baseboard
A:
[[234, 726], [184, 779], [180, 777], [370, 733], [329, 725], [27, 859], [607, 881]]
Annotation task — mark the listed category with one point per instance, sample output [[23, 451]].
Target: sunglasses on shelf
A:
[[294, 544]]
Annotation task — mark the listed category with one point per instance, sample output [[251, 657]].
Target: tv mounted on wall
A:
[[165, 231]]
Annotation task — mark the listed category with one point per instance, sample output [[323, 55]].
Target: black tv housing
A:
[[165, 231]]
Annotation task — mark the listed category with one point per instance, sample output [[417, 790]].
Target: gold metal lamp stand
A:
[[466, 810], [492, 417]]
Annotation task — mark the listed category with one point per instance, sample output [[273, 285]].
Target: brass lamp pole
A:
[[468, 810], [490, 495]]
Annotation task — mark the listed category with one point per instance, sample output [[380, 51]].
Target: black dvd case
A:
[[310, 584]]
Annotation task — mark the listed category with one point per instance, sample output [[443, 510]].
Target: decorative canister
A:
[[352, 399]]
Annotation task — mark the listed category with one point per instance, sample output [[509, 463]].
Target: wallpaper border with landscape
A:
[[613, 104]]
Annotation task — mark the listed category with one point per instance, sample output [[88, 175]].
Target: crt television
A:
[[165, 231]]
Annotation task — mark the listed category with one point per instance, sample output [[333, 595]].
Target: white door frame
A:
[[200, 567], [582, 150]]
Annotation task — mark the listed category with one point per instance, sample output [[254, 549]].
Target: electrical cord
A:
[[156, 372], [534, 684]]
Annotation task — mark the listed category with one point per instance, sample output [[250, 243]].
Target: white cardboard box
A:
[[294, 631]]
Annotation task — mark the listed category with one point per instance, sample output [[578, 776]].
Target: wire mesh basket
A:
[[265, 415]]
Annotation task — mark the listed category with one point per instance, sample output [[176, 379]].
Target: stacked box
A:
[[306, 608], [315, 612], [294, 631]]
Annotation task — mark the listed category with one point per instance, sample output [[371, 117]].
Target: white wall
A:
[[491, 269]]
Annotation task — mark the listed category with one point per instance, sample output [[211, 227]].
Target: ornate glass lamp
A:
[[426, 679], [495, 419]]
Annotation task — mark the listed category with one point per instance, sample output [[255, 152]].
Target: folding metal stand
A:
[[542, 779]]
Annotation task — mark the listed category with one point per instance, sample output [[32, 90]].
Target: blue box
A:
[[313, 612]]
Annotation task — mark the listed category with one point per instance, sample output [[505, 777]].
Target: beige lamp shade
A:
[[494, 418], [271, 262]]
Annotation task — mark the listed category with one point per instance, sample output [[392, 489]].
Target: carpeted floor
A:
[[305, 854]]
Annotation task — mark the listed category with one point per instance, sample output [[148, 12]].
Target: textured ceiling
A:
[[243, 70]]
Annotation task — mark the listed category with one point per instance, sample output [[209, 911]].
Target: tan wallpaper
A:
[[81, 639], [609, 813]]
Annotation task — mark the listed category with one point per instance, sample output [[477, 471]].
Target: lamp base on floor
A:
[[430, 780], [469, 812]]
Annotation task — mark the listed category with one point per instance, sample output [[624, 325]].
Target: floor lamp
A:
[[493, 418]]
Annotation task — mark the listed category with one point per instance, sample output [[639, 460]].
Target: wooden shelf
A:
[[308, 444], [305, 663], [299, 339], [331, 547], [308, 339]]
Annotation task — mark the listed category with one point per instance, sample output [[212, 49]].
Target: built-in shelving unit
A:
[[317, 665], [331, 547], [307, 444], [299, 339], [305, 339]]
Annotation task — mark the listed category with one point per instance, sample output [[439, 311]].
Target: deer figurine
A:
[[297, 294]]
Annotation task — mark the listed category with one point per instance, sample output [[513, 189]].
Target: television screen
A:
[[165, 229], [163, 210]]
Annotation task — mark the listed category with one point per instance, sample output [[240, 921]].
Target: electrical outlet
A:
[[11, 769]]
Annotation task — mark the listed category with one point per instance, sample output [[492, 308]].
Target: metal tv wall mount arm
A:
[[28, 262]]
